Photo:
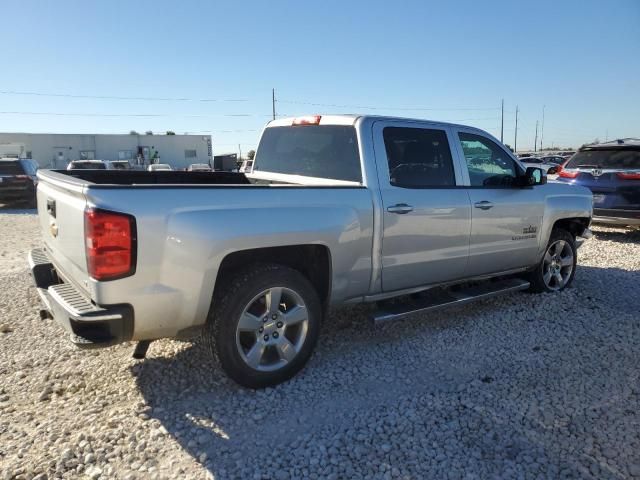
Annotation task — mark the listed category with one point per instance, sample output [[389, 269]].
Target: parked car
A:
[[18, 180], [246, 166], [547, 167], [118, 165], [357, 209], [554, 160], [87, 165], [199, 167], [612, 172], [156, 167]]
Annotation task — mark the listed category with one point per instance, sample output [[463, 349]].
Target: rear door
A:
[[505, 218], [426, 216]]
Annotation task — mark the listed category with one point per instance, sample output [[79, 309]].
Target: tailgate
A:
[[61, 205]]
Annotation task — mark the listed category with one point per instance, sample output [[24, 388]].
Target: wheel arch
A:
[[575, 225], [311, 260]]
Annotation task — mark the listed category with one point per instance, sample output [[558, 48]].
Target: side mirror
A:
[[534, 176]]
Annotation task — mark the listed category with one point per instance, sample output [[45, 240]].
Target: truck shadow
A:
[[618, 235], [358, 369], [16, 210]]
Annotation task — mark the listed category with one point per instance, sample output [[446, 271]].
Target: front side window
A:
[[418, 157], [488, 164]]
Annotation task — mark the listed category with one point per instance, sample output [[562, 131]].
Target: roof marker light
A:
[[307, 120]]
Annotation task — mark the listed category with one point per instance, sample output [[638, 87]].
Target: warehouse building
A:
[[57, 150]]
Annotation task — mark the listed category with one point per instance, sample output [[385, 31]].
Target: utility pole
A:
[[273, 102], [515, 140], [535, 142], [542, 131], [502, 123]]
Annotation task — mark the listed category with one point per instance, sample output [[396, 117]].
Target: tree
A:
[[133, 132], [170, 132], [148, 132], [251, 154]]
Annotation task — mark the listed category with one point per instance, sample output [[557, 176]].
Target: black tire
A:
[[228, 305], [536, 277]]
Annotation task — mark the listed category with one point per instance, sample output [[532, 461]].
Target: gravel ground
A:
[[522, 386]]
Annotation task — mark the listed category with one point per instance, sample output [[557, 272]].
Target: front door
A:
[[426, 217], [506, 219]]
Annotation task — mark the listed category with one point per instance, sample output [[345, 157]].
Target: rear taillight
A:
[[628, 175], [568, 173], [110, 243]]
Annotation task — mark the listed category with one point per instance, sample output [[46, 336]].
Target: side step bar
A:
[[440, 298]]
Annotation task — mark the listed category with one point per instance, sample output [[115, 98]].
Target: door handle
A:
[[400, 208], [483, 205]]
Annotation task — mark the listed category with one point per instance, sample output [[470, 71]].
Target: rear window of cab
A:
[[322, 151]]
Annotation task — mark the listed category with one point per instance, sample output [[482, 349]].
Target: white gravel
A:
[[523, 386]]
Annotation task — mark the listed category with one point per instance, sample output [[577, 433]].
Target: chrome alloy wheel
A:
[[558, 265], [272, 329]]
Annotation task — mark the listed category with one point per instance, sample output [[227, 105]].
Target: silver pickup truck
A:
[[335, 210]]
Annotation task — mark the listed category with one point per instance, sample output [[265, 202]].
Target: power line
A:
[[61, 114], [364, 107], [112, 97]]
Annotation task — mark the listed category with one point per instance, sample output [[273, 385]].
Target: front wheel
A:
[[264, 325], [558, 265]]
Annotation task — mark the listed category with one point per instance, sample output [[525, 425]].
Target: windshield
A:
[[323, 151], [602, 158], [11, 168]]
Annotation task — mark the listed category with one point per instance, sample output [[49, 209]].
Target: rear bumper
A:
[[89, 325], [616, 216]]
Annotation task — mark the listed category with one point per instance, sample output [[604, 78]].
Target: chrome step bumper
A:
[[89, 325]]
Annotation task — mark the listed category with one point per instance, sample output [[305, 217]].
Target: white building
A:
[[53, 150]]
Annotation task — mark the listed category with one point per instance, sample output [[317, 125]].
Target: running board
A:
[[436, 299]]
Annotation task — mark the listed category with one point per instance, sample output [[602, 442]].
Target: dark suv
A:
[[18, 180], [612, 171]]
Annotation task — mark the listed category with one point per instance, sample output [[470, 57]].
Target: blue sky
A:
[[455, 60]]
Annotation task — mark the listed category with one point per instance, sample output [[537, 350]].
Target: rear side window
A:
[[11, 168], [600, 158], [323, 151], [418, 157]]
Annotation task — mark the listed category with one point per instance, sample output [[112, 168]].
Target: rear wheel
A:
[[264, 325], [558, 265]]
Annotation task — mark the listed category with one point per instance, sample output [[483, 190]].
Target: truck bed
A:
[[141, 177]]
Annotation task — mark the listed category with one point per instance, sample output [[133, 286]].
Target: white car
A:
[[156, 167], [199, 167], [549, 168], [87, 165], [118, 165]]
